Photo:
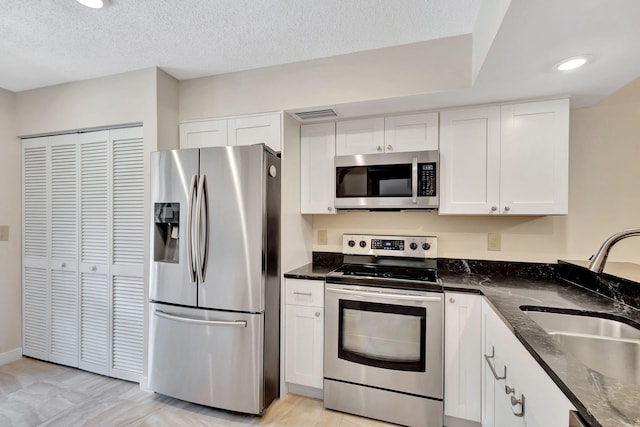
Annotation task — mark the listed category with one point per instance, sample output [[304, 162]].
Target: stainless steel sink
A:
[[607, 346]]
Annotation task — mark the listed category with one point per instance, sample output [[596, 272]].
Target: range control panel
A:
[[401, 246]]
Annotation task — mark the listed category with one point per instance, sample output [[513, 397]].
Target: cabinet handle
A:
[[379, 148], [452, 300], [389, 147], [507, 208], [317, 314], [494, 208], [308, 294], [515, 402], [493, 370]]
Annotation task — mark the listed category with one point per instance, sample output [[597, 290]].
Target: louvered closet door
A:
[[127, 268], [35, 261], [63, 201], [95, 304]]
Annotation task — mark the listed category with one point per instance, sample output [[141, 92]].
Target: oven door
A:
[[385, 338]]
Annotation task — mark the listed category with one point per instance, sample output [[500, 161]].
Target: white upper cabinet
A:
[[242, 130], [209, 133], [534, 161], [317, 172], [415, 132], [254, 130], [470, 161], [364, 136], [505, 160]]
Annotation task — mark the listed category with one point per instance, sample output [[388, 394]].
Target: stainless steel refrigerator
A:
[[214, 294]]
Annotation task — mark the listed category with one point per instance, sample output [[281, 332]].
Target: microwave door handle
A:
[[414, 180]]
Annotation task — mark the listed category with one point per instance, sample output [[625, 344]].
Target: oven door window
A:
[[374, 181], [382, 335]]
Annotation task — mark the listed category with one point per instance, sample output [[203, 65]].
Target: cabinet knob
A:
[[509, 390], [389, 147], [494, 208], [94, 268], [379, 148], [329, 208], [452, 300], [507, 208], [317, 314], [63, 265]]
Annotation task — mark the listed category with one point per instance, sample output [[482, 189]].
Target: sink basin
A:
[[608, 346]]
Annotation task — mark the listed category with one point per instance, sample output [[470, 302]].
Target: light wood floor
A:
[[35, 393]]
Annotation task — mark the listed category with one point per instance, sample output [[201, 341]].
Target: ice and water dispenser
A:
[[167, 232]]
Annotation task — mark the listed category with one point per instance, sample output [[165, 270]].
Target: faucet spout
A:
[[600, 258]]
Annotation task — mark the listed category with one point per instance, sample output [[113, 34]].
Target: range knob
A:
[[413, 246], [363, 243], [351, 243], [426, 246]]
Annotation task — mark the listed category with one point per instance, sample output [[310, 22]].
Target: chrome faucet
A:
[[600, 258]]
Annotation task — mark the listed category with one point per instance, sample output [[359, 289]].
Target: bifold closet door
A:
[[127, 267], [95, 217], [35, 248]]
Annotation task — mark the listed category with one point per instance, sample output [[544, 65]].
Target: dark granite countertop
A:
[[310, 272], [601, 400]]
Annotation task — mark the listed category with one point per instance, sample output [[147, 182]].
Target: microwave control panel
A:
[[427, 179]]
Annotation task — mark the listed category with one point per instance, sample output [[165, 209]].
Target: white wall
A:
[[604, 197], [376, 74], [10, 214]]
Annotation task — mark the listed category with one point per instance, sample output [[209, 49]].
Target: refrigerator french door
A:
[[214, 282]]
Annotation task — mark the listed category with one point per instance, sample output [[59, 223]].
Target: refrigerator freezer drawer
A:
[[209, 357]]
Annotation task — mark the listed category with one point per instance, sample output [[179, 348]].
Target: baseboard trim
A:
[[11, 356]]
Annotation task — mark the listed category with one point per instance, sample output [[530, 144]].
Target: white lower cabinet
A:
[[516, 391], [462, 365], [304, 330]]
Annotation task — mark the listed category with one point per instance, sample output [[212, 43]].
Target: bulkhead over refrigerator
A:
[[215, 276]]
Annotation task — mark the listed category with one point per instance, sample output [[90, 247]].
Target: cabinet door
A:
[[35, 248], [317, 170], [250, 130], [304, 345], [462, 349], [209, 133], [535, 158], [415, 132], [95, 217], [365, 136], [470, 161]]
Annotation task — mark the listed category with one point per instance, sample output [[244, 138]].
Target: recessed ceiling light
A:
[[572, 63], [94, 4]]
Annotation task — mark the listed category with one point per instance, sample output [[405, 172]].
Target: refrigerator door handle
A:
[[232, 323], [190, 258], [202, 258]]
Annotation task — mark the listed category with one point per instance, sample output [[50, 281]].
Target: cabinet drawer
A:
[[305, 292]]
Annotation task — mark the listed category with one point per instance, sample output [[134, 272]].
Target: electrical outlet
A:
[[494, 242], [322, 237], [4, 233]]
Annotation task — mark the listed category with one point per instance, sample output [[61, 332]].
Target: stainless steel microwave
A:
[[388, 181]]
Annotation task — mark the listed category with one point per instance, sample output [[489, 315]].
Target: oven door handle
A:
[[399, 297]]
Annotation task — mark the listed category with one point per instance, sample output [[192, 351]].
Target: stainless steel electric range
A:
[[383, 354]]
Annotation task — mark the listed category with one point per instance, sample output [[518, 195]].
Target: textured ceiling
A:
[[46, 42]]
